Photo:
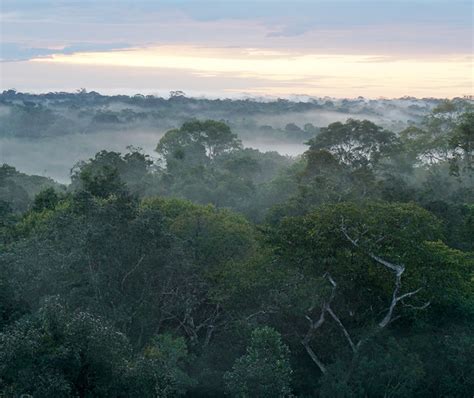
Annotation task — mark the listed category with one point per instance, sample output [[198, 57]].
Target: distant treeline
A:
[[52, 114]]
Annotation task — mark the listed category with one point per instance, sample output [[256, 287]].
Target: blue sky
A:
[[434, 33]]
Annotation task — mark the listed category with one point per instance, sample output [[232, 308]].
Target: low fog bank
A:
[[48, 134], [55, 156], [283, 148]]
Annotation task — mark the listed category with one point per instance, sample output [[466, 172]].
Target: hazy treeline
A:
[[213, 269], [39, 115], [47, 134]]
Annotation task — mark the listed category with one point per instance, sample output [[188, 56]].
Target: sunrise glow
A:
[[289, 72]]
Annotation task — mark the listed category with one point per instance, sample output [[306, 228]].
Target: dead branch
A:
[[131, 271], [313, 326], [397, 269]]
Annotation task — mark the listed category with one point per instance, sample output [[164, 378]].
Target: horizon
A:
[[166, 95]]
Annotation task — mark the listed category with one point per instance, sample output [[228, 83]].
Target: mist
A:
[[48, 134]]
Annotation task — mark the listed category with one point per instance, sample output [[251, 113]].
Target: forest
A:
[[208, 268], [48, 133]]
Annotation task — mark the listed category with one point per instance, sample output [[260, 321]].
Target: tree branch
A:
[[313, 326], [397, 269], [131, 271], [409, 294], [314, 357], [316, 325], [344, 330], [334, 316]]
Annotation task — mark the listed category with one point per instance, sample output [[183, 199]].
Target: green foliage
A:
[[206, 164], [159, 371], [214, 237], [47, 199], [461, 142], [386, 369], [61, 353], [355, 143], [446, 357], [17, 190], [359, 253], [264, 371], [110, 172], [55, 353], [197, 141], [401, 234]]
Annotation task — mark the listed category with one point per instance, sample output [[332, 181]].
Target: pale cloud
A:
[[266, 71], [415, 26]]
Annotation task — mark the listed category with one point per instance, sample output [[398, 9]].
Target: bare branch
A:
[[409, 294], [333, 315], [261, 312], [386, 320], [314, 357], [418, 307], [398, 269], [131, 271], [332, 281], [326, 307], [395, 299], [313, 326], [344, 330]]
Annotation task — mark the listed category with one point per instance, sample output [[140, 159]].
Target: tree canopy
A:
[[220, 270]]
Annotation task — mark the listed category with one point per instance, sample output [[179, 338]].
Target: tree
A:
[[198, 140], [441, 136], [159, 371], [47, 199], [264, 371], [62, 354], [384, 369], [102, 183], [110, 172], [355, 143], [370, 264], [11, 192], [461, 141]]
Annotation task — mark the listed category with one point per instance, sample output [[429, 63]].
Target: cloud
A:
[[205, 69], [16, 52], [441, 26], [19, 52]]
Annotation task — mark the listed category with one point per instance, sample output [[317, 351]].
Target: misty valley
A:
[[47, 134]]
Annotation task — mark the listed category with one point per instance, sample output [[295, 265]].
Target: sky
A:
[[384, 48]]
